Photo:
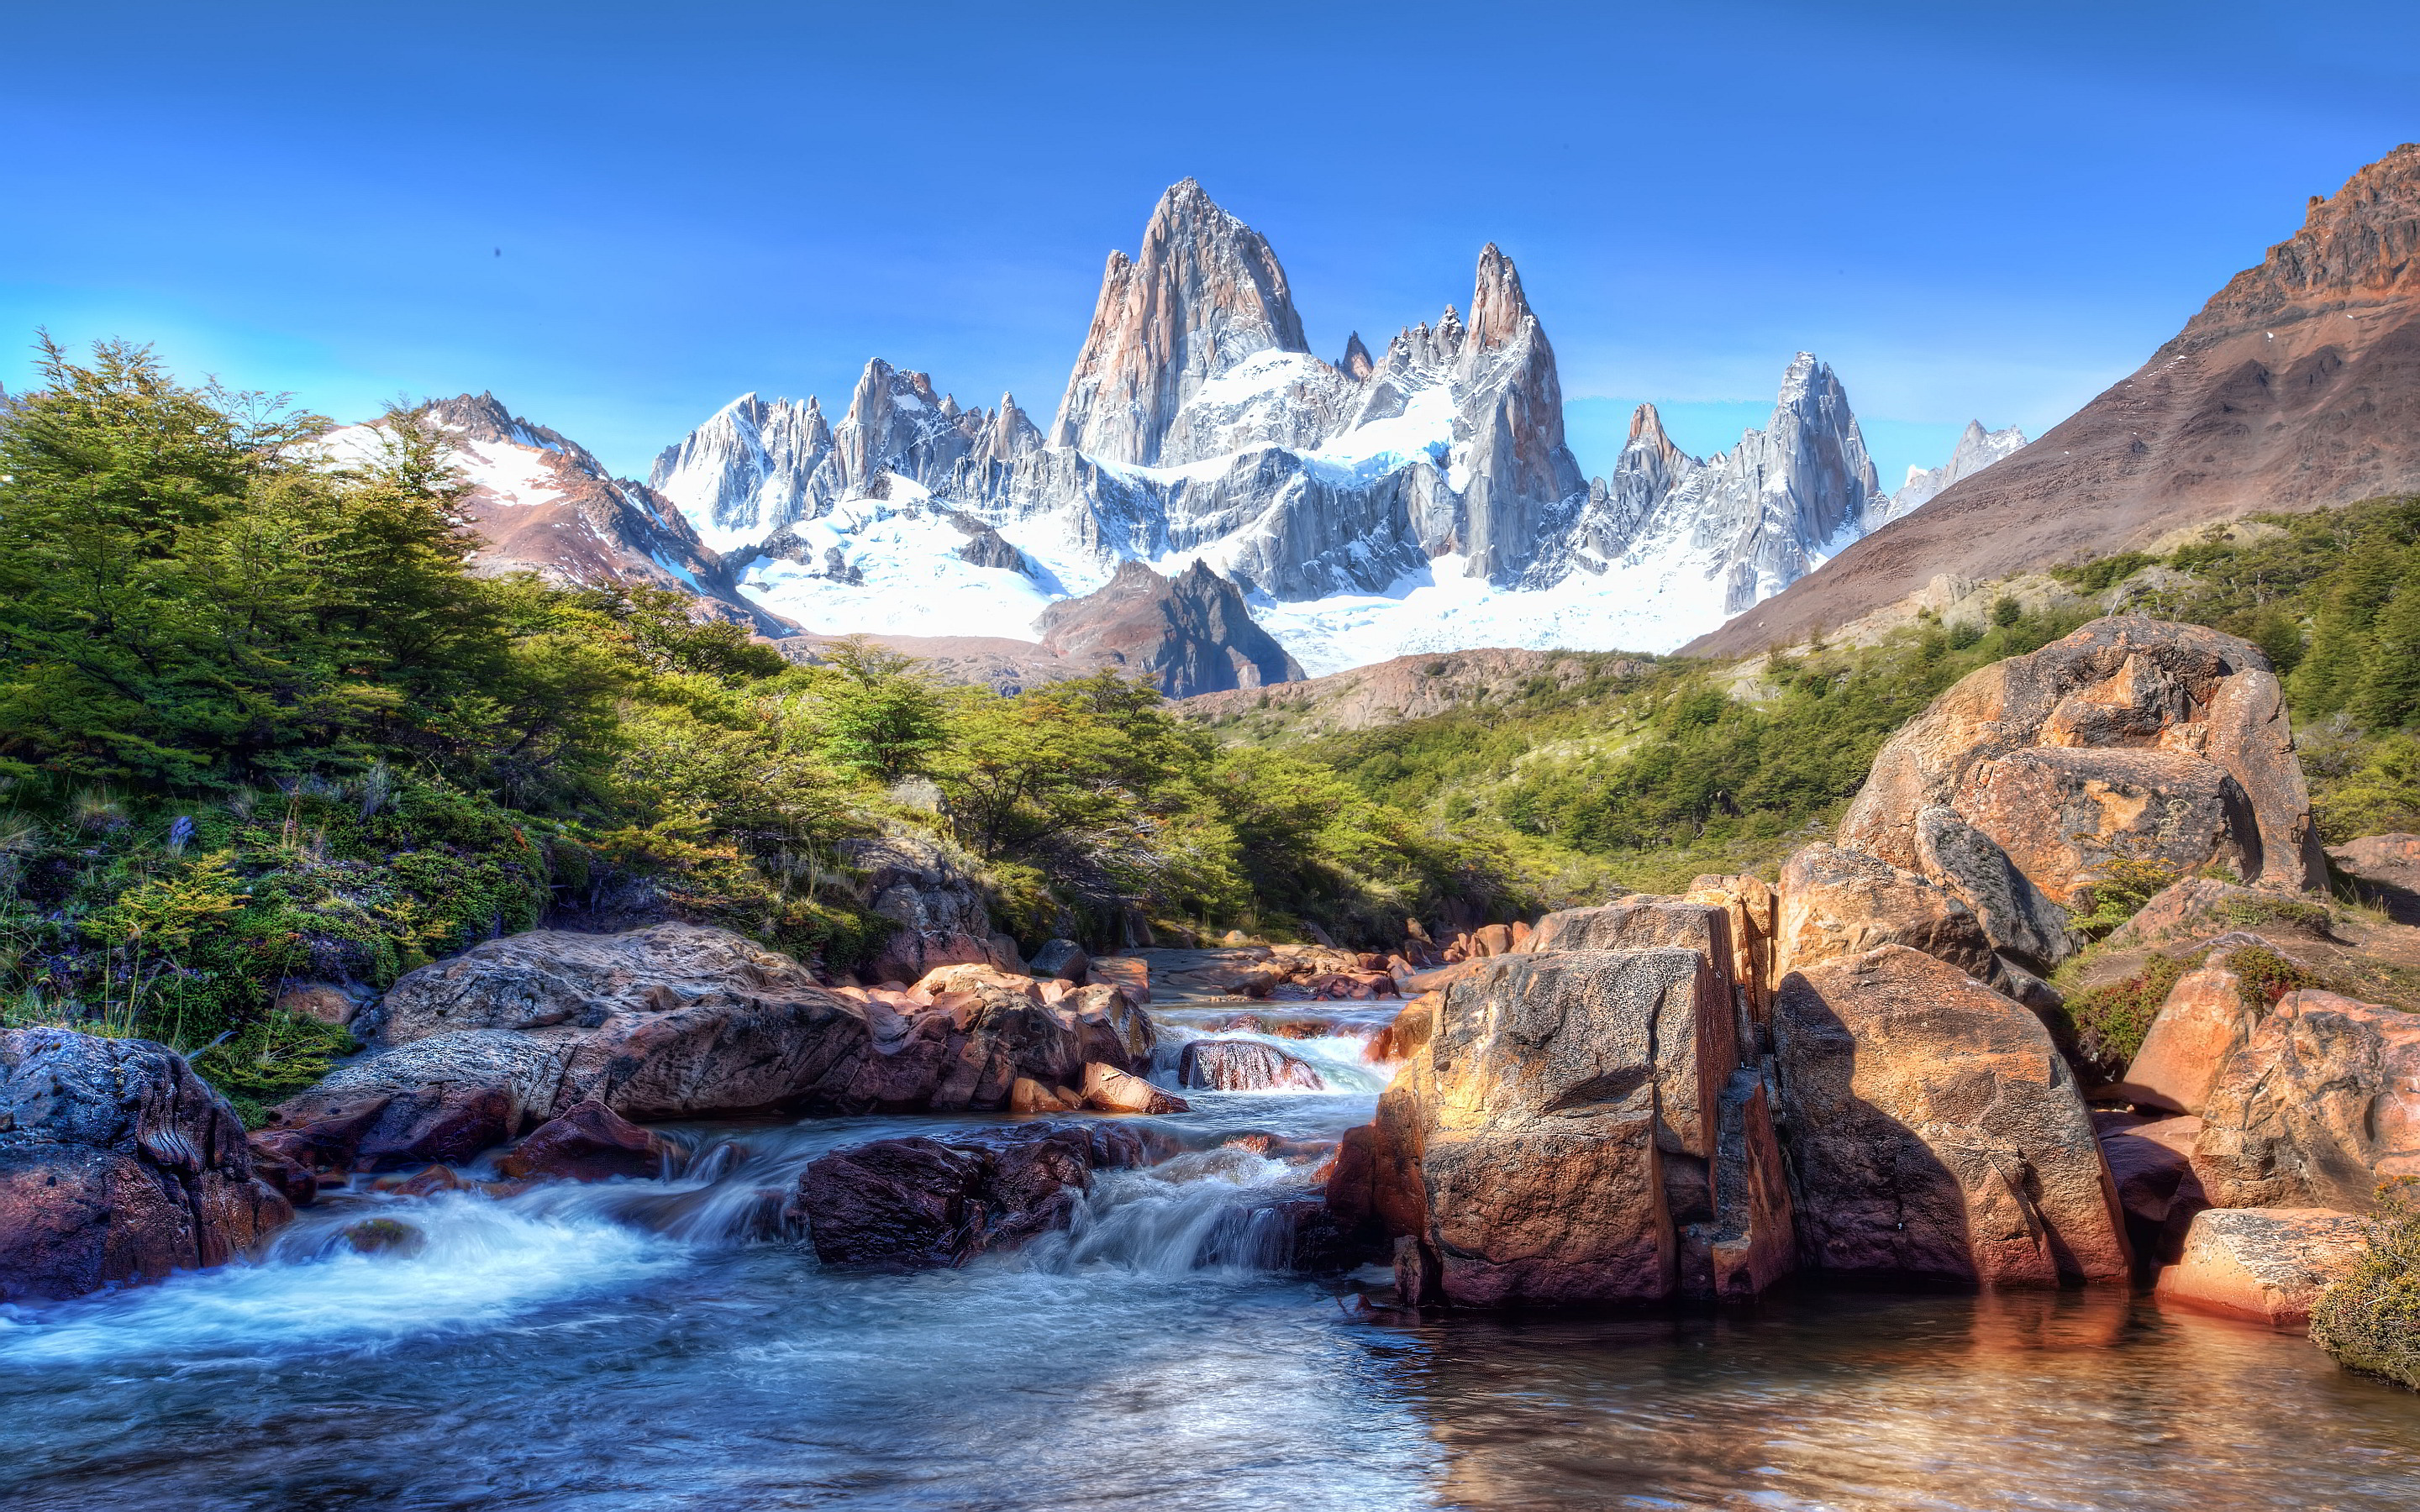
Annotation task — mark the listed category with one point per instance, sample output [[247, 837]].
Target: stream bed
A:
[[643, 1345]]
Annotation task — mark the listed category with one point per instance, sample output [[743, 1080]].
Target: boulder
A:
[[2199, 908], [1933, 1130], [2266, 1264], [1108, 1089], [734, 1049], [588, 1142], [916, 1203], [1062, 959], [2018, 919], [1836, 904], [2152, 1162], [1130, 975], [321, 1002], [2132, 736], [1112, 1027], [2204, 1020], [1752, 912], [117, 1164], [1539, 1116], [2318, 1108], [1491, 939], [965, 978], [2385, 871], [937, 909], [1244, 1066], [1409, 1033], [444, 1098], [1643, 921], [1026, 1095]]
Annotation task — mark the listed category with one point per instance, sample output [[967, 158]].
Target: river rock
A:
[[1536, 1120], [117, 1164], [2266, 1264], [1063, 959], [2131, 737], [1934, 1131], [2150, 1160], [1111, 1025], [2318, 1108], [1108, 1089], [1244, 1066], [1130, 975], [917, 1202], [444, 1098], [588, 1142]]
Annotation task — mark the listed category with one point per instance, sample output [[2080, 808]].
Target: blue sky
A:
[[1986, 211]]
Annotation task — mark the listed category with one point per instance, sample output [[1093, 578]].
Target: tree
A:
[[882, 714]]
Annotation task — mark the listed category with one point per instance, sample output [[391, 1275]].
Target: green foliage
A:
[[2102, 573], [2123, 887], [269, 1059], [2370, 1321], [882, 716], [2107, 1023]]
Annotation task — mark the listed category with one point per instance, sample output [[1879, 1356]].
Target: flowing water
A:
[[640, 1345]]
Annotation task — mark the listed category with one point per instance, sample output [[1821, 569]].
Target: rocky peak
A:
[[1977, 449], [1522, 474], [2360, 244], [1647, 436], [1355, 364], [1190, 634], [1205, 293], [482, 417], [1498, 309], [896, 421]]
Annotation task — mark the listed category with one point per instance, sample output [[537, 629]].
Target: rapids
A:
[[643, 1345]]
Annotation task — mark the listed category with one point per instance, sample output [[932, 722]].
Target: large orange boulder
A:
[[2204, 1020], [2266, 1264], [1108, 1089], [2131, 737], [2319, 1105], [1839, 903], [1934, 1131]]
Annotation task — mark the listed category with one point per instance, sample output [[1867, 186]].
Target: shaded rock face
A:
[[2318, 1106], [917, 1203], [1191, 635], [2130, 739], [589, 1142], [1244, 1066], [444, 1098], [117, 1164], [1935, 1132], [2296, 387], [2151, 1161], [2385, 869], [2268, 1265]]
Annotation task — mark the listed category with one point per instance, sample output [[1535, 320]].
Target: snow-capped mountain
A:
[[541, 503], [1418, 499], [1977, 449]]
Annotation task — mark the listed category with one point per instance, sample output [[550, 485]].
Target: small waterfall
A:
[[1227, 1209]]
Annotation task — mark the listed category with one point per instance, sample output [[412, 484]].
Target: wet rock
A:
[[117, 1164], [2318, 1108], [917, 1203], [1108, 1089], [2152, 1162], [1244, 1066], [1130, 975], [2131, 737], [588, 1142], [1063, 959], [384, 1236], [2266, 1264], [1934, 1131], [1112, 1027]]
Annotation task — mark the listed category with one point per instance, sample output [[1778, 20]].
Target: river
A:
[[643, 1345]]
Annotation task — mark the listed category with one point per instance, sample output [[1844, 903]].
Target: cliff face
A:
[[2296, 387]]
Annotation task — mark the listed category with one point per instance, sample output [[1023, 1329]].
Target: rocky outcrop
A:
[[1244, 1066], [1934, 1131], [2296, 387], [681, 1021], [2318, 1108], [1188, 635], [937, 907], [117, 1164], [2385, 871], [2269, 1265], [1837, 903], [2151, 1161], [917, 1203], [2131, 739], [2205, 1018]]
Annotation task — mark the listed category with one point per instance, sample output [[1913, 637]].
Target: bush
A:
[[2370, 1321], [2108, 1024], [2124, 887], [271, 1059]]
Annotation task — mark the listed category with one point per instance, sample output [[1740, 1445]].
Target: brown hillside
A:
[[2296, 387]]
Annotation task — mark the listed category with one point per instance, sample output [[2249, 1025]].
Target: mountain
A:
[[1190, 634], [1418, 497], [2296, 387], [542, 503], [1977, 449]]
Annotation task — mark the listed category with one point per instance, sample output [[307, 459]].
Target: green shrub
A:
[[2105, 572], [271, 1059], [2370, 1321], [2123, 887], [2108, 1023]]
